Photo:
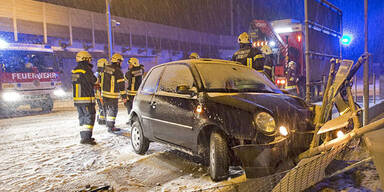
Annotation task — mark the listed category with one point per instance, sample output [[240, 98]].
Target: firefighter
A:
[[83, 81], [101, 63], [247, 55], [134, 76], [113, 87], [292, 78], [268, 63], [194, 55]]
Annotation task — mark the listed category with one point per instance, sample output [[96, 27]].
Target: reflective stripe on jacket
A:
[[112, 82], [83, 82], [134, 77]]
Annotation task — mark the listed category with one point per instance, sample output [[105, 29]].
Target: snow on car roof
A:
[[204, 61]]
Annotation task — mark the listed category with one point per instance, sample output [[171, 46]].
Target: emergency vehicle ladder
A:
[[267, 29]]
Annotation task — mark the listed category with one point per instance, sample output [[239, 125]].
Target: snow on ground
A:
[[41, 152]]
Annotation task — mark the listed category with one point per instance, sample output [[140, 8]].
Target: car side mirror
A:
[[186, 90]]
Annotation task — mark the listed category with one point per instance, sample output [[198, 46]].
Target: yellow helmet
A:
[[243, 38], [117, 58], [83, 56], [134, 62], [292, 64], [266, 50], [194, 55], [102, 62]]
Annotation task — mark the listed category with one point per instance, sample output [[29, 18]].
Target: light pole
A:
[[109, 26], [366, 67]]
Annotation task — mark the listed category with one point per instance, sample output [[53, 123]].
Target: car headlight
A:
[[266, 123], [59, 93], [11, 96]]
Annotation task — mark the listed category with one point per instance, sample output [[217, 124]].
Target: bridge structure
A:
[[69, 30]]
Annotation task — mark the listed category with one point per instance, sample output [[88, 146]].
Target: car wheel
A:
[[218, 157], [140, 144]]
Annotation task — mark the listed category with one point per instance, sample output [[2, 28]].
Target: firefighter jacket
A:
[[83, 82], [292, 78], [268, 67], [134, 76], [97, 84], [112, 82], [249, 56]]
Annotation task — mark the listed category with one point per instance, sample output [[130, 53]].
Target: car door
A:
[[174, 113], [144, 99]]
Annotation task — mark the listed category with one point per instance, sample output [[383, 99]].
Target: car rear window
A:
[[151, 82]]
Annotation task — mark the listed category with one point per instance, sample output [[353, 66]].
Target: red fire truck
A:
[[28, 76], [285, 38]]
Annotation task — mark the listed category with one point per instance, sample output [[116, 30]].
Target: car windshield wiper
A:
[[224, 90], [256, 90]]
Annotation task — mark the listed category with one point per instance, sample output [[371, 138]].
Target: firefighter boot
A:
[[86, 138], [113, 129]]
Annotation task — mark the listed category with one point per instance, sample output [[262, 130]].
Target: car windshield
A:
[[234, 78], [26, 61]]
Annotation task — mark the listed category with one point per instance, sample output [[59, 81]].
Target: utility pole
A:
[[307, 65], [366, 67], [109, 26]]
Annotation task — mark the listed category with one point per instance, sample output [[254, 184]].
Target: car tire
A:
[[47, 105], [139, 143], [218, 157]]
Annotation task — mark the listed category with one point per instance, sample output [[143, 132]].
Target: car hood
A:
[[281, 106]]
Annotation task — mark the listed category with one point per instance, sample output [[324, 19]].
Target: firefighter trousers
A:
[[129, 103], [111, 109], [87, 113], [101, 112]]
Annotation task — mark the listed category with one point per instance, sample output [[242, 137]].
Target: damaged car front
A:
[[265, 129]]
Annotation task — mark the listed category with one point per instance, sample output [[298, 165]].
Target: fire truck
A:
[[28, 76], [286, 40]]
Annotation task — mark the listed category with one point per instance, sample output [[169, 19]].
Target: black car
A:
[[222, 111]]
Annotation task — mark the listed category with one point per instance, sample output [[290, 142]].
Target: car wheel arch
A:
[[133, 117], [203, 138]]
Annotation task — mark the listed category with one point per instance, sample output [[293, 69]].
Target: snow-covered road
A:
[[41, 152]]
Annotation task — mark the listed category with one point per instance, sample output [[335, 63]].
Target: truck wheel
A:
[[218, 157], [140, 144], [47, 105]]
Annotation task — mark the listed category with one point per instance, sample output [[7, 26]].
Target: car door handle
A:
[[153, 104]]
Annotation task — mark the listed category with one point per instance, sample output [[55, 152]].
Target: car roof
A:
[[201, 61]]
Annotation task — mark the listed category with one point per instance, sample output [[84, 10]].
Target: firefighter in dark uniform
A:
[[83, 82], [292, 78], [134, 76], [248, 55], [101, 63], [268, 63], [113, 87]]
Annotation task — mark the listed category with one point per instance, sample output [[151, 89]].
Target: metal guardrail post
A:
[[355, 88]]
